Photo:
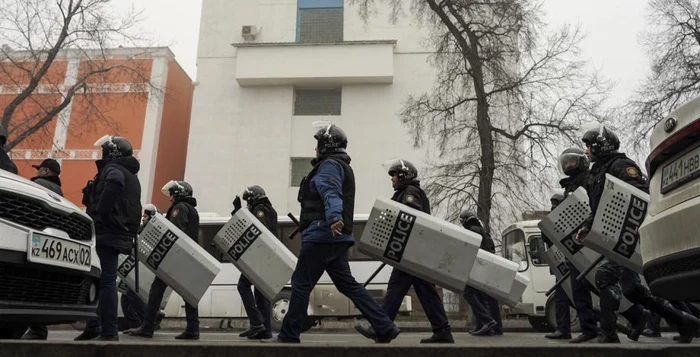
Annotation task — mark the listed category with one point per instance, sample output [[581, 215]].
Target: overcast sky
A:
[[612, 26]]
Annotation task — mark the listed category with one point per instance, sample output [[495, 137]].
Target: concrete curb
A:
[[175, 349]]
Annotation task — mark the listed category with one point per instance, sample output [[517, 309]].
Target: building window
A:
[[300, 167], [320, 21], [317, 101]]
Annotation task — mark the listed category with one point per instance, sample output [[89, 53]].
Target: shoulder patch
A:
[[410, 198], [175, 213], [260, 214], [632, 172]]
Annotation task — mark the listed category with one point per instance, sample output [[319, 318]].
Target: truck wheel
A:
[[279, 309]]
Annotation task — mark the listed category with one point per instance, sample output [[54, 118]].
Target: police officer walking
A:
[[47, 176], [183, 214], [485, 308], [5, 161], [257, 306], [561, 300], [327, 197], [408, 192], [575, 165], [113, 201], [612, 279]]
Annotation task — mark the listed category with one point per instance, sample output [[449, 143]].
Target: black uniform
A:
[[411, 194], [612, 279], [113, 201], [6, 163], [579, 288], [183, 215], [485, 308], [258, 307]]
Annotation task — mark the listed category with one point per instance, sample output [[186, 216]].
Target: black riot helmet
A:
[[253, 193], [114, 147], [573, 161], [469, 218], [330, 138], [556, 200], [600, 139], [177, 189], [403, 169], [3, 136]]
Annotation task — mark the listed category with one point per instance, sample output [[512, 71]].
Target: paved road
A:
[[354, 339]]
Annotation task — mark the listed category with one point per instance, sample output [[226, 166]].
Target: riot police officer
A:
[[561, 300], [113, 201], [574, 164], [257, 307], [408, 192], [327, 197], [183, 214], [612, 279], [5, 161], [486, 309]]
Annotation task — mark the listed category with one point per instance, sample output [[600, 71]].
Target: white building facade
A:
[[268, 69]]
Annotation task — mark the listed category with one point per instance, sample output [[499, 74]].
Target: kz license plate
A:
[[681, 170], [59, 252]]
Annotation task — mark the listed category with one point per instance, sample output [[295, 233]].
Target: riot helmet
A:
[[556, 200], [601, 140], [330, 138], [403, 169], [150, 209], [177, 189], [573, 161], [468, 218], [114, 147], [253, 193]]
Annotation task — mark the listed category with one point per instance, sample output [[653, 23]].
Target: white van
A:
[[222, 300], [522, 244]]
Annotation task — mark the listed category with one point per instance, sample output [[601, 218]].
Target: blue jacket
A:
[[328, 182]]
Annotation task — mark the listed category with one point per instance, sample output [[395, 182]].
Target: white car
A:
[[670, 233], [49, 270]]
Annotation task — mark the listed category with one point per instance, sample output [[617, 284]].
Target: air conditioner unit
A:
[[249, 32]]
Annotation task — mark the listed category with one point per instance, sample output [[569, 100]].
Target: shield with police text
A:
[[126, 272], [257, 253], [557, 265], [420, 244], [176, 259], [615, 231]]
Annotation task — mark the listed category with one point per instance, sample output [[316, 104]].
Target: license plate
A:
[[681, 170], [44, 249]]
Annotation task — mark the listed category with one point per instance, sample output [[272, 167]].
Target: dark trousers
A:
[[561, 310], [107, 307], [314, 259], [481, 305], [613, 281], [133, 308], [494, 309], [256, 307], [155, 297], [430, 300], [583, 303]]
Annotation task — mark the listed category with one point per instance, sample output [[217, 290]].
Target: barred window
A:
[[317, 101], [321, 25], [300, 167]]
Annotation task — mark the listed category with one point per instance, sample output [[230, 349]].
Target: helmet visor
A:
[[103, 140], [568, 161], [169, 186], [392, 163]]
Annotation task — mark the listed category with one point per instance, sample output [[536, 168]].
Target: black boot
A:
[[486, 330], [188, 335], [389, 336], [140, 332], [558, 335], [649, 333], [262, 335], [88, 334], [583, 338], [608, 327], [365, 329], [637, 328], [439, 337], [252, 331]]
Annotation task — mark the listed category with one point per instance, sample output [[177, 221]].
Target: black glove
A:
[[236, 205]]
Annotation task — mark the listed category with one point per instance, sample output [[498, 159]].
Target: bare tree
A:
[[672, 42], [36, 35], [506, 98]]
